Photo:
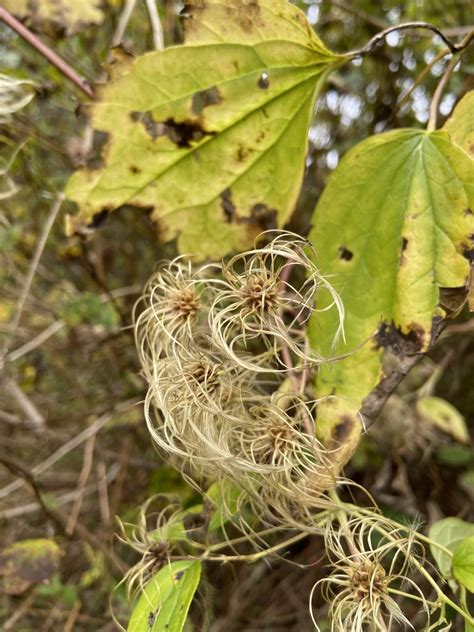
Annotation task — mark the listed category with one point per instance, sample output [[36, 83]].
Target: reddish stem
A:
[[50, 55]]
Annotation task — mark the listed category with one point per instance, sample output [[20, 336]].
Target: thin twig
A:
[[81, 484], [25, 403], [123, 22], [60, 500], [56, 517], [36, 341], [32, 271], [44, 50], [157, 29], [60, 453], [454, 48], [433, 117], [19, 612]]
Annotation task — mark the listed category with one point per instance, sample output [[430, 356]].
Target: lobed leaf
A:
[[210, 137], [393, 227], [165, 601]]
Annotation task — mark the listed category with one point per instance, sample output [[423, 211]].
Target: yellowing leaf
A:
[[460, 125], [70, 15], [444, 416], [28, 562], [165, 600], [392, 228], [210, 136]]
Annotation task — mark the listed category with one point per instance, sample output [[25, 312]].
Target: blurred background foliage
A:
[[70, 388]]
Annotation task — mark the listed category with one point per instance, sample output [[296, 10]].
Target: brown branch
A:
[[376, 400], [453, 48], [57, 518], [44, 50]]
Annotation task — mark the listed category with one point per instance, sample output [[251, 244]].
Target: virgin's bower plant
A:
[[267, 355]]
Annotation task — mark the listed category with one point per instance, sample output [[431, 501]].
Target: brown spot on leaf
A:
[[227, 205], [179, 575], [343, 429], [248, 14], [263, 217], [404, 243], [242, 153], [399, 343], [345, 254], [264, 81], [468, 212], [134, 169], [453, 299], [99, 218], [152, 127], [185, 133], [205, 98]]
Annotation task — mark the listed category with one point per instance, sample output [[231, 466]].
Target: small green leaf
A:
[[392, 228], [468, 627], [225, 498], [448, 532], [463, 563], [165, 601], [444, 416], [210, 136], [28, 562]]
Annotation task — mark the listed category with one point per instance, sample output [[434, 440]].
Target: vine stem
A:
[[44, 50], [453, 48], [433, 116]]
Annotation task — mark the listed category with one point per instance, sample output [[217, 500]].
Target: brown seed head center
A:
[[260, 292], [368, 577], [185, 303]]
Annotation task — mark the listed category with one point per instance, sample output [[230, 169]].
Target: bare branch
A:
[[44, 50]]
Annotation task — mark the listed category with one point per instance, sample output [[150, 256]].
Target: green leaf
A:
[[392, 228], [460, 125], [463, 563], [225, 498], [210, 136], [165, 601], [448, 532], [27, 563], [468, 627], [69, 15], [444, 416]]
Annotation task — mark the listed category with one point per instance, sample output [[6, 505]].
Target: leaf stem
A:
[[44, 50]]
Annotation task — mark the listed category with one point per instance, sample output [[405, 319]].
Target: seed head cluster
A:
[[224, 351]]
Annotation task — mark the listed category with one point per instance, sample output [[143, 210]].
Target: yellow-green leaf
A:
[[444, 416], [392, 228], [165, 600], [70, 15], [460, 125], [28, 562], [210, 136]]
